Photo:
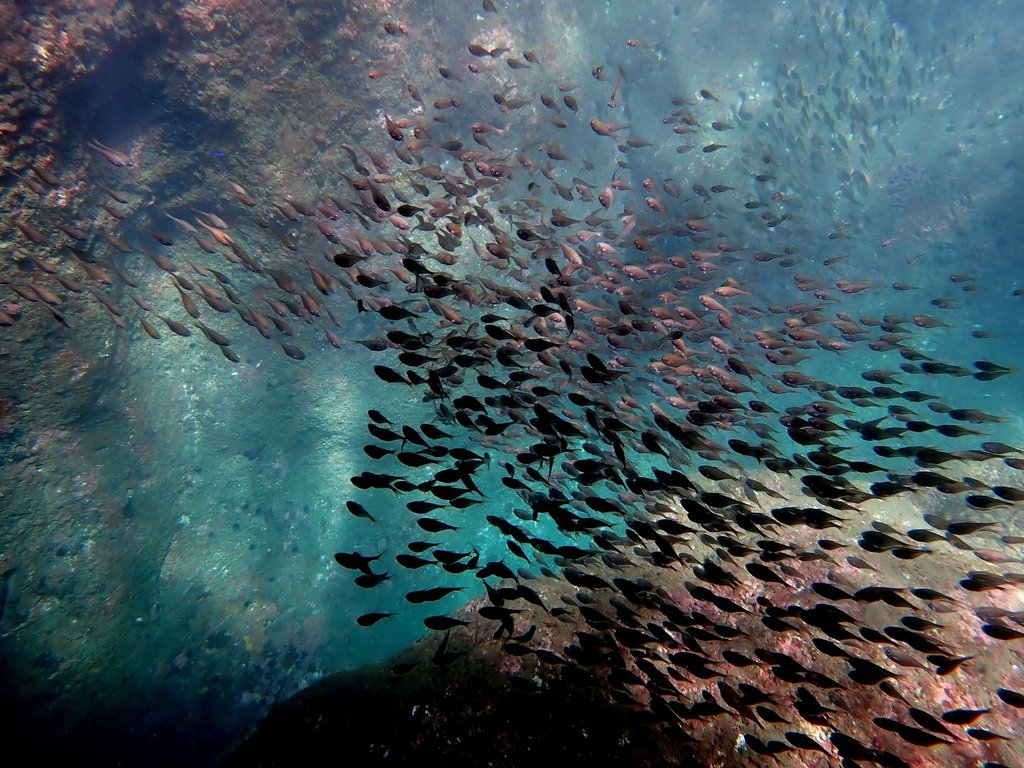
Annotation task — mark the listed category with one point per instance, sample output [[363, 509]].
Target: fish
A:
[[115, 242], [175, 326], [114, 157], [430, 595], [1011, 697], [186, 301], [369, 619], [293, 351], [45, 175], [356, 561], [371, 580], [392, 128], [443, 623], [683, 475], [148, 327], [73, 232], [389, 375], [602, 128], [32, 234], [214, 336]]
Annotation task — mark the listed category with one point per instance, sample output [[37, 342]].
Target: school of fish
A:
[[618, 375]]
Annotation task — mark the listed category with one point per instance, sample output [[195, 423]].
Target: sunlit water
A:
[[170, 518]]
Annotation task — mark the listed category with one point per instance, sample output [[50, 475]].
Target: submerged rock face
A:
[[640, 344], [661, 671], [479, 719]]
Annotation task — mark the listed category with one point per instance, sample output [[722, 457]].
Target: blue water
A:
[[170, 518]]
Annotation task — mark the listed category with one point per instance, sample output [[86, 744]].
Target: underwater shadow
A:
[[471, 715]]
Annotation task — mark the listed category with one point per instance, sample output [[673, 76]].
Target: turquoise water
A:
[[170, 517]]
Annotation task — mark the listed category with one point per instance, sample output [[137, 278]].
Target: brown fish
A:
[[605, 129], [175, 326], [73, 232], [187, 301], [114, 241], [31, 234], [293, 352], [45, 175], [392, 128], [112, 156], [217, 338], [148, 328]]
